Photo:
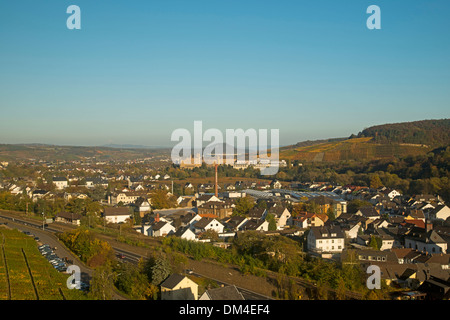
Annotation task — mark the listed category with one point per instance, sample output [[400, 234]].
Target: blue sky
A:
[[137, 70]]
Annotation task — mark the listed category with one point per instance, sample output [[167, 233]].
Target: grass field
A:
[[26, 275]]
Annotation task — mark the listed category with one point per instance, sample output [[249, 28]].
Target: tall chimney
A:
[[216, 181]]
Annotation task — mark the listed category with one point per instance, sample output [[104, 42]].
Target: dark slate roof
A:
[[172, 281], [369, 212], [69, 215], [325, 232], [117, 211], [225, 293]]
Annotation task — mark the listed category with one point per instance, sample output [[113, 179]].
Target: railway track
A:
[[134, 257]]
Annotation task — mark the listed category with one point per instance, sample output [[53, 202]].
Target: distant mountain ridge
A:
[[385, 141]]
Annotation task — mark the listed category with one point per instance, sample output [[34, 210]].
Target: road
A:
[[129, 256], [248, 294]]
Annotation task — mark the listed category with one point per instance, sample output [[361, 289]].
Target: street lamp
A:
[[43, 219]]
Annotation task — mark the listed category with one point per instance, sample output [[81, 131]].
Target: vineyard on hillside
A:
[[25, 274]]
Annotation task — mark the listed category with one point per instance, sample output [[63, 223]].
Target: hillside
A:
[[433, 133], [18, 152], [388, 141]]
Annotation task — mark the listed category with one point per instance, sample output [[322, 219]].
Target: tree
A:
[[375, 182], [131, 281], [243, 206], [102, 283], [158, 269], [161, 199], [330, 213], [375, 242], [272, 222]]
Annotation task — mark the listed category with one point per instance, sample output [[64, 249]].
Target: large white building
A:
[[325, 239], [60, 182]]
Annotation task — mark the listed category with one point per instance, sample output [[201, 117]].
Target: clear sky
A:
[[137, 70]]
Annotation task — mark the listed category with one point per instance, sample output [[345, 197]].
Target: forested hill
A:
[[433, 133]]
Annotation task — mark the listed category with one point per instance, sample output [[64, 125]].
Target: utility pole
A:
[[43, 219]]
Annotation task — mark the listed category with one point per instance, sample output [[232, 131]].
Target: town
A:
[[406, 235]]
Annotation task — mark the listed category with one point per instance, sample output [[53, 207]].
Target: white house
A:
[[60, 182], [160, 229], [206, 224], [325, 239], [301, 222], [282, 215], [116, 214], [186, 234], [391, 193], [256, 225], [352, 232], [441, 212], [431, 242], [142, 205]]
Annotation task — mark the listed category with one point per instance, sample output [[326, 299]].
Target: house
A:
[[282, 216], [222, 293], [116, 214], [95, 182], [326, 204], [257, 213], [186, 201], [189, 219], [256, 225], [38, 194], [60, 182], [368, 212], [325, 239], [179, 287], [217, 208], [313, 219], [126, 197], [205, 198], [185, 233], [142, 205], [351, 230], [68, 217], [205, 224], [236, 223], [160, 228], [436, 288], [428, 241], [275, 184], [188, 185], [415, 214], [441, 212], [391, 193], [75, 195], [300, 221]]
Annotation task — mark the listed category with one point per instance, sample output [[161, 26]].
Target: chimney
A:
[[428, 226], [157, 217], [216, 181]]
